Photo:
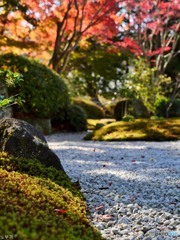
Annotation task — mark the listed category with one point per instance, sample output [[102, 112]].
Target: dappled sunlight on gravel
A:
[[132, 189]]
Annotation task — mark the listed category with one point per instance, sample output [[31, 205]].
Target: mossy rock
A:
[[130, 107], [39, 203], [120, 109], [21, 139]]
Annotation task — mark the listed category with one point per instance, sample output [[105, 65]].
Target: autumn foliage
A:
[[58, 26], [151, 29], [145, 27]]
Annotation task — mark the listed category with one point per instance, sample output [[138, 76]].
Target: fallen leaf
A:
[[60, 211], [100, 207], [104, 217]]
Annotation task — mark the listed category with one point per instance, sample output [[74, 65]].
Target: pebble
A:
[[140, 200]]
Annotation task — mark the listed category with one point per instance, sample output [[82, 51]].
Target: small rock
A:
[[110, 224], [123, 220], [122, 210]]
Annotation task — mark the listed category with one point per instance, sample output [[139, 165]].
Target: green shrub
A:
[[40, 203], [43, 91], [8, 78], [165, 108], [161, 105], [73, 118], [92, 110], [174, 110], [77, 118]]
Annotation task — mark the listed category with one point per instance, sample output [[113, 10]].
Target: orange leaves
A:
[[118, 19], [77, 20]]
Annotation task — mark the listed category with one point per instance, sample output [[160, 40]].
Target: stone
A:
[[21, 139], [123, 220], [139, 110]]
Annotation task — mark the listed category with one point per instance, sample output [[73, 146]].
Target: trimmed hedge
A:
[[73, 119], [76, 117], [93, 111], [44, 92]]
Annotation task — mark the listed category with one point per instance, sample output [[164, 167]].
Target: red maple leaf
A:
[[60, 211]]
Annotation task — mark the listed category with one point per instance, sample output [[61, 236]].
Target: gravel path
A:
[[132, 189]]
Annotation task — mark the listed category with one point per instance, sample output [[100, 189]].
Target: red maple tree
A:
[[151, 28], [59, 26]]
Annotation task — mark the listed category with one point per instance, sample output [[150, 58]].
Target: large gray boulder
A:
[[21, 139]]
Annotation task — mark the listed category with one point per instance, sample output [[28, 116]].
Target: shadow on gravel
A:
[[148, 170]]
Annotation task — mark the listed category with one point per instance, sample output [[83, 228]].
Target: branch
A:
[[172, 53], [61, 26], [4, 5], [95, 19]]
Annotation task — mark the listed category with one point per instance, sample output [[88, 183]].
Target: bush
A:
[[174, 110], [162, 108], [73, 118], [161, 105], [77, 118], [8, 78], [93, 111], [43, 91]]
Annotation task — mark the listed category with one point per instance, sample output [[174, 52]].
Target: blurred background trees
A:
[[108, 50]]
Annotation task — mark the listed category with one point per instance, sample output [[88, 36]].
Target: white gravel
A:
[[132, 189]]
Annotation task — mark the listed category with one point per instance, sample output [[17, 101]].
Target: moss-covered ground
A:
[[40, 203], [139, 129]]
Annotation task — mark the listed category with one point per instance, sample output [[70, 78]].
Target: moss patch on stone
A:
[[40, 203]]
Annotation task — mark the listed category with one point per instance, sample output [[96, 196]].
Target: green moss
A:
[[33, 167], [29, 203], [141, 129], [92, 110], [92, 123]]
